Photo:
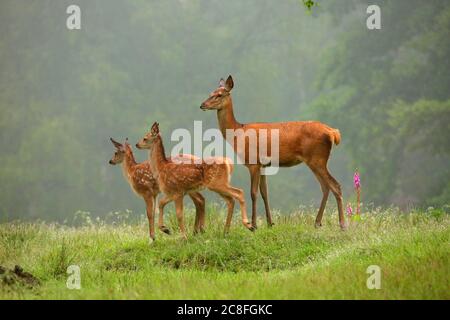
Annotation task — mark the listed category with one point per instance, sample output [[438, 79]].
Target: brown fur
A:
[[142, 181], [178, 179], [299, 141]]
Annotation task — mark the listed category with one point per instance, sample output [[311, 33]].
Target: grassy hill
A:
[[292, 260]]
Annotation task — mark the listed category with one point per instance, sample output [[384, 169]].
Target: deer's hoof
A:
[[151, 241], [270, 224], [344, 227], [164, 229], [318, 225]]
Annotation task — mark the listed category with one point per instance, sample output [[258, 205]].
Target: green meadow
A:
[[291, 260]]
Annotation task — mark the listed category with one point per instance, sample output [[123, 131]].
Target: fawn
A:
[[179, 178], [299, 141], [145, 185]]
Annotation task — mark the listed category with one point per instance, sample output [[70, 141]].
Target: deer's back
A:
[[177, 178], [217, 170], [299, 141], [182, 177]]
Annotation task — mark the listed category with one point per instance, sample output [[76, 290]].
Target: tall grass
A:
[[291, 260]]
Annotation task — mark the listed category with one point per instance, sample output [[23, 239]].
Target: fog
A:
[[64, 93]]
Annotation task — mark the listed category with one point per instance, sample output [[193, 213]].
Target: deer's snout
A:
[[110, 162]]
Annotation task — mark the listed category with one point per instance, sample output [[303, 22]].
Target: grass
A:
[[292, 260]]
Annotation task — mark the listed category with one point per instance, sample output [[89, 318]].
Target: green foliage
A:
[[387, 91], [58, 260], [425, 124], [292, 260], [64, 93]]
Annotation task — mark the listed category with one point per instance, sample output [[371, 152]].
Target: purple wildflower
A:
[[356, 180], [349, 210]]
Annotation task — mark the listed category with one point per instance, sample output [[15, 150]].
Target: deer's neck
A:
[[226, 119], [128, 165], [157, 156]]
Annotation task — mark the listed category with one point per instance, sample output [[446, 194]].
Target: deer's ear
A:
[[155, 128], [221, 83], [229, 84], [116, 144]]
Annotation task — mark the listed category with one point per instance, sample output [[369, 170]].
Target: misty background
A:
[[63, 93]]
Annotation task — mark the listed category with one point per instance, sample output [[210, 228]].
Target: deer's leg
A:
[[197, 218], [180, 215], [230, 203], [162, 203], [228, 191], [203, 211], [335, 187], [199, 202], [238, 194], [325, 193], [150, 216], [155, 205], [265, 195], [255, 174]]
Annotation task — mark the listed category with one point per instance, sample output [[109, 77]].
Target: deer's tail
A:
[[336, 136]]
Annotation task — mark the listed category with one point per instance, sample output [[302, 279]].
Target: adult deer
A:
[[177, 178], [299, 141], [145, 185]]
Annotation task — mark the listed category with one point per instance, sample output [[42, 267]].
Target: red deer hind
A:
[[299, 141]]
